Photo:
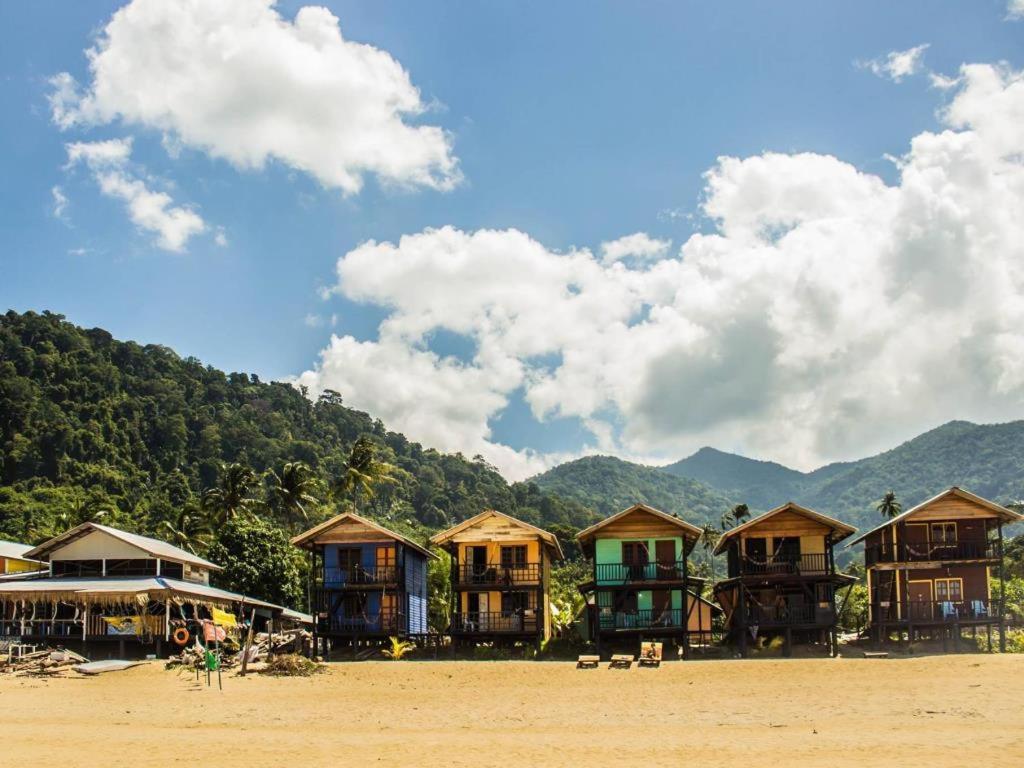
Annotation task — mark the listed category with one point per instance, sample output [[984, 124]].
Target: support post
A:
[[686, 601], [741, 613], [1002, 594], [314, 607]]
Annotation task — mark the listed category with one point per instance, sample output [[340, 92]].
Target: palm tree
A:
[[363, 472], [190, 530], [233, 494], [735, 516], [709, 537], [888, 507], [293, 490]]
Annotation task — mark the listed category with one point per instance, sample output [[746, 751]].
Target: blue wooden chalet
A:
[[366, 582]]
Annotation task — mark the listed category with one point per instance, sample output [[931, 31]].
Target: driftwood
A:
[[45, 663], [261, 647]]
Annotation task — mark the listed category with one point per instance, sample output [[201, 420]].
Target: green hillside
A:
[[761, 484], [609, 485], [91, 426]]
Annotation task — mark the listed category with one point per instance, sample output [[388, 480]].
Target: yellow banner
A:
[[223, 618]]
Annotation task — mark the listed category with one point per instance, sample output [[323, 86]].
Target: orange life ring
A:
[[181, 636]]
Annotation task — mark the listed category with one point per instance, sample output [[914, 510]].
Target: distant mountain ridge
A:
[[987, 459]]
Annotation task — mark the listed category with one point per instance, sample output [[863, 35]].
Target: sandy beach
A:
[[932, 711]]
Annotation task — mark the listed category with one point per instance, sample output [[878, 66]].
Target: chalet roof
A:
[[102, 589], [1006, 515], [588, 533], [11, 550], [546, 536], [308, 538], [837, 526], [154, 547]]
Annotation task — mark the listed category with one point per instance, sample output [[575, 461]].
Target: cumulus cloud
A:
[[236, 80], [149, 210], [829, 313], [1015, 9], [898, 64], [638, 245]]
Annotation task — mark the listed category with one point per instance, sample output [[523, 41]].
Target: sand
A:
[[932, 711]]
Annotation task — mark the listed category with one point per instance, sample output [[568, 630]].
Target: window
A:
[[172, 570], [349, 559], [354, 606], [77, 567], [943, 533], [634, 552], [139, 567], [514, 556], [949, 590]]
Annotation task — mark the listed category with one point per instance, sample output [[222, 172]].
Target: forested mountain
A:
[[608, 485], [92, 427], [987, 459]]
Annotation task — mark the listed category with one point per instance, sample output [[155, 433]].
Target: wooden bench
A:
[[588, 662], [621, 661]]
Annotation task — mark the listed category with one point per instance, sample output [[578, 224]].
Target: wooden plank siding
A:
[[640, 524]]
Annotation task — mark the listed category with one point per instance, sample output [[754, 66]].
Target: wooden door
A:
[[919, 600], [478, 558], [482, 607], [665, 555]]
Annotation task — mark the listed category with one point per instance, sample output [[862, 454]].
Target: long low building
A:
[[108, 590]]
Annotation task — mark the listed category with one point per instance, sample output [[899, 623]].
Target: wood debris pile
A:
[[45, 663], [295, 641]]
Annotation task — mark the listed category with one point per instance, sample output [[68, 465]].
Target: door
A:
[[385, 564], [665, 556], [389, 619], [478, 558], [483, 616], [915, 542], [919, 600], [949, 596], [661, 607], [635, 557], [756, 556], [787, 553], [349, 562]]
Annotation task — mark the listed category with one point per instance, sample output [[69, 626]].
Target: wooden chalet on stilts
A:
[[501, 576], [366, 583], [782, 577], [929, 569], [640, 577]]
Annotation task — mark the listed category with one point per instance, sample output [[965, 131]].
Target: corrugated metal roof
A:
[[154, 547], [15, 551]]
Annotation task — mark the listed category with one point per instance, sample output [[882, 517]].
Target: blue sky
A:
[[576, 123]]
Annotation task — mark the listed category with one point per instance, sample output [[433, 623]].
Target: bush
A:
[[292, 665]]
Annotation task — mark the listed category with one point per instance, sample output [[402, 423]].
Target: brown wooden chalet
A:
[[929, 569], [782, 577]]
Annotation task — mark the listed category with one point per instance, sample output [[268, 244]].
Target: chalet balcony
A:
[[360, 577], [369, 623], [932, 611], [667, 618], [811, 564], [625, 573], [789, 615], [489, 574], [511, 622], [911, 552]]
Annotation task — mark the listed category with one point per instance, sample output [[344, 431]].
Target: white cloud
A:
[[151, 211], [828, 314], [221, 238], [897, 64], [236, 80], [639, 245], [1015, 9], [312, 320], [60, 202]]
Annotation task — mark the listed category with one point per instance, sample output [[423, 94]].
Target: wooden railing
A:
[[789, 614], [784, 564], [937, 610], [496, 574], [622, 573], [644, 618], [494, 622], [910, 552], [371, 622], [361, 576]]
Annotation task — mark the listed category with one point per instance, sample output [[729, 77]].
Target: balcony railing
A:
[[498, 575], [910, 552], [644, 618], [788, 614], [361, 576], [938, 610], [372, 622], [494, 622], [786, 565], [622, 573]]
